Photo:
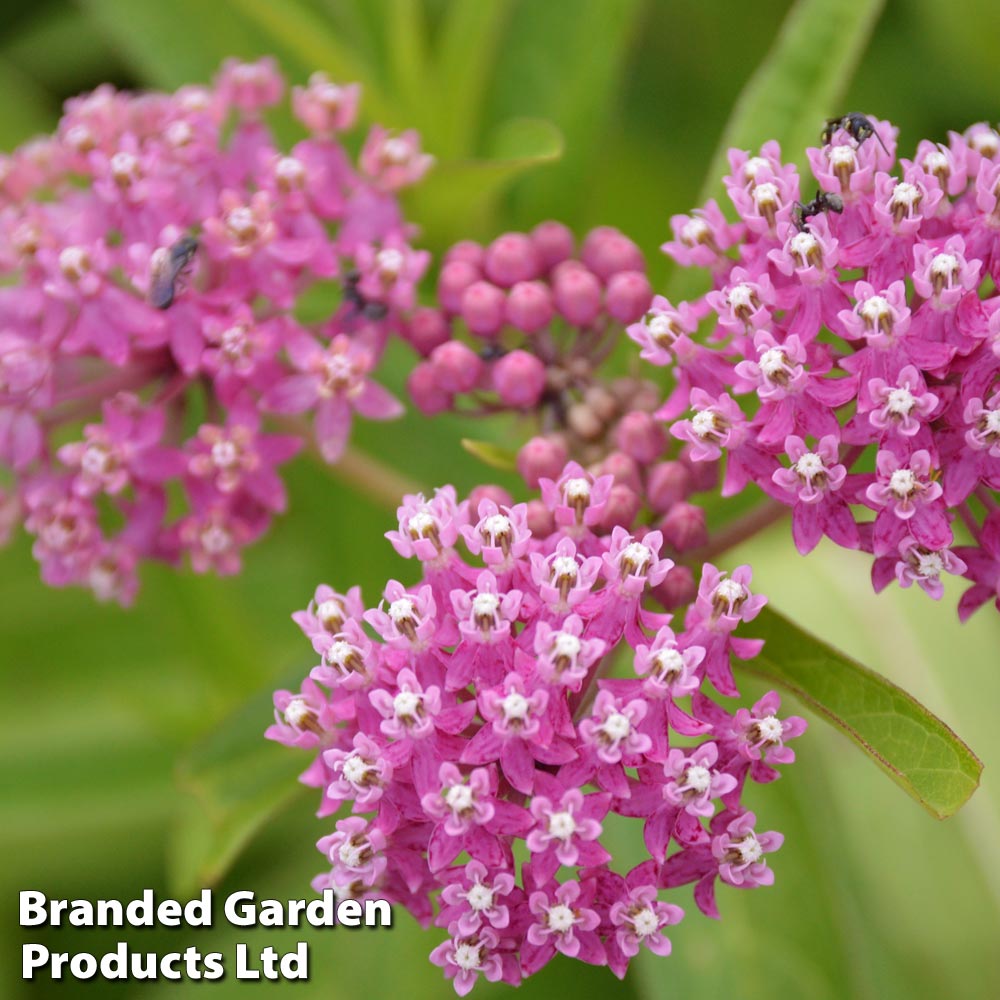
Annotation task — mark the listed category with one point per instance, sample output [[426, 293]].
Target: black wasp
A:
[[855, 124], [167, 267], [823, 202], [361, 306]]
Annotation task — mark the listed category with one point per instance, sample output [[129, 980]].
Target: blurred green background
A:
[[121, 767]]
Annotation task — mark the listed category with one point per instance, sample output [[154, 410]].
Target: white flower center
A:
[[843, 156], [562, 825], [804, 244], [902, 482], [660, 328], [564, 566], [669, 663], [749, 848], [730, 591], [561, 918], [350, 854], [617, 726], [390, 263], [577, 489], [216, 539], [905, 194], [485, 605], [900, 402], [699, 779], [991, 422], [565, 644], [421, 523], [753, 166], [810, 465], [297, 711], [480, 897], [694, 231], [355, 768], [741, 296], [515, 706], [401, 609], [466, 956], [330, 612], [340, 652], [770, 729], [96, 460], [405, 704], [646, 922], [703, 423], [875, 309], [290, 171], [765, 194], [396, 151], [930, 565], [985, 142], [224, 454], [636, 556], [935, 162], [944, 265], [773, 361], [74, 262], [459, 798]]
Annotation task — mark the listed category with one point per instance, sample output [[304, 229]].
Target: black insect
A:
[[360, 305], [855, 124], [169, 265], [823, 202]]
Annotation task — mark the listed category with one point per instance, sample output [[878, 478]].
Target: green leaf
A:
[[494, 455], [793, 91], [458, 197], [234, 783], [914, 747]]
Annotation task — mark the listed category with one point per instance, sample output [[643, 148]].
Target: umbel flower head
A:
[[158, 247], [476, 734], [849, 362]]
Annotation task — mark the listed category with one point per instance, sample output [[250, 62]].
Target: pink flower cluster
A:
[[850, 357], [540, 320], [157, 247], [484, 721]]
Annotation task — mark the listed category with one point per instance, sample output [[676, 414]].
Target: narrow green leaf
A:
[[407, 55], [800, 82], [494, 455], [457, 198], [914, 747], [234, 782], [466, 54]]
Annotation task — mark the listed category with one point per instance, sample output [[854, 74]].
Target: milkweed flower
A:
[[847, 361], [158, 249], [516, 700]]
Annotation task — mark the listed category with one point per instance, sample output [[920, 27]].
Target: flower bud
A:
[[628, 296], [677, 589], [455, 278], [468, 251], [684, 526], [623, 506], [638, 434], [583, 421], [428, 397], [488, 491], [541, 521], [541, 458], [519, 379], [624, 468], [511, 258], [666, 484], [704, 475], [457, 368], [577, 293], [529, 306], [427, 329], [553, 243], [483, 308], [606, 251]]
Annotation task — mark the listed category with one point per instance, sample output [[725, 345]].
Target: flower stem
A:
[[739, 530]]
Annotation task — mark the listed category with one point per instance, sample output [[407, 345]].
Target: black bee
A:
[[855, 124], [823, 202], [167, 267], [361, 306]]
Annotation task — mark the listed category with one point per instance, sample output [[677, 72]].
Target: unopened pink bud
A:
[[624, 468], [677, 589], [541, 458], [483, 308], [623, 506], [606, 251], [667, 483], [628, 296], [577, 293], [704, 475], [519, 379], [553, 242], [468, 251], [541, 521], [511, 258], [457, 368], [427, 329], [455, 278], [640, 436], [428, 397], [529, 306], [684, 526], [488, 491]]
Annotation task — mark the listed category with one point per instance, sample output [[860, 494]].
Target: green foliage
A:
[[915, 748]]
